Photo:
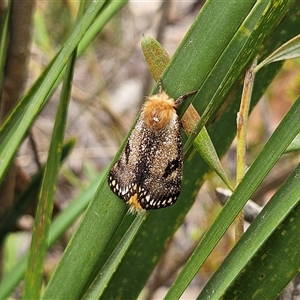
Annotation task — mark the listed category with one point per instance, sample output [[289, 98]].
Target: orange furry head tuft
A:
[[159, 111]]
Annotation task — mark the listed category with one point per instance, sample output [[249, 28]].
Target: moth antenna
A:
[[181, 99]]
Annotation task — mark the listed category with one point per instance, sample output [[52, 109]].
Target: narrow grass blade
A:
[[14, 129], [101, 281], [289, 127], [39, 241], [59, 226], [28, 196], [288, 50], [256, 266]]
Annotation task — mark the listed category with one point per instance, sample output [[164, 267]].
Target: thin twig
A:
[[242, 122]]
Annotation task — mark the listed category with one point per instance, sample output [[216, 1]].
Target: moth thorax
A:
[[159, 111]]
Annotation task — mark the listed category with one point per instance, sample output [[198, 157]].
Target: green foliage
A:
[[213, 57]]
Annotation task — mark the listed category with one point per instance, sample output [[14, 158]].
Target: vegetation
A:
[[112, 254]]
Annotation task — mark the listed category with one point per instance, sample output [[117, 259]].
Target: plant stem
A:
[[242, 122]]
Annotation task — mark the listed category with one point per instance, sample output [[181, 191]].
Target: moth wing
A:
[[162, 185], [150, 167]]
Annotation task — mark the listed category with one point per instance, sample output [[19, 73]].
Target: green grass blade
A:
[[27, 197], [289, 127], [205, 147], [295, 145], [256, 266], [87, 245], [288, 50], [108, 12], [101, 281], [39, 242], [256, 26], [157, 59], [89, 254], [59, 226], [183, 72], [3, 39], [17, 124]]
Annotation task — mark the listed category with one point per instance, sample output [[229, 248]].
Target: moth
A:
[[148, 174]]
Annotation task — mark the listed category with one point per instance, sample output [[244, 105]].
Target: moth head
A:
[[159, 111]]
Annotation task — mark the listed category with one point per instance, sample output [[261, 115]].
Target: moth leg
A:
[[180, 100]]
